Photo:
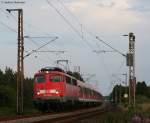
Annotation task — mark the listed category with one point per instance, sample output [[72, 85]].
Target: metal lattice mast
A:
[[131, 64], [20, 64]]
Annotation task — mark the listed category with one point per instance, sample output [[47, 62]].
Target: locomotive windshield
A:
[[56, 78], [39, 78]]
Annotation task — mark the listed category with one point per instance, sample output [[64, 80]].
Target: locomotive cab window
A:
[[56, 78], [39, 79]]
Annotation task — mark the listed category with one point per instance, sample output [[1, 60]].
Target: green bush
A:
[[7, 96]]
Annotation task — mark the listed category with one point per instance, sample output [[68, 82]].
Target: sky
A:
[[76, 23]]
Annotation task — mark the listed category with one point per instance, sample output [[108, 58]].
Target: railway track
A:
[[61, 117]]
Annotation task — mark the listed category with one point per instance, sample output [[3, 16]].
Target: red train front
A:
[[53, 88], [49, 85]]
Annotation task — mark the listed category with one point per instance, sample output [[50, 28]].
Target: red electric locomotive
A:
[[53, 88]]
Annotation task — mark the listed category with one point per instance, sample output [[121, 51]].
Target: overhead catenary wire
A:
[[38, 37], [68, 22], [90, 33], [104, 42], [33, 51], [75, 18], [30, 25], [8, 27], [110, 46], [70, 12], [64, 18], [26, 23], [44, 51], [5, 25], [30, 39]]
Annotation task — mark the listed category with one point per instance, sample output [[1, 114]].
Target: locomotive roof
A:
[[60, 71], [86, 85], [52, 69]]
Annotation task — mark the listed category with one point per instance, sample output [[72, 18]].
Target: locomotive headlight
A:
[[57, 92], [38, 93]]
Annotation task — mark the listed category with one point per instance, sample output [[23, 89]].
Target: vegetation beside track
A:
[[125, 115], [8, 96], [119, 115], [8, 93]]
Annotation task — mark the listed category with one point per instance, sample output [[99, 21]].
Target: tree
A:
[[1, 76], [28, 92], [141, 88], [7, 96]]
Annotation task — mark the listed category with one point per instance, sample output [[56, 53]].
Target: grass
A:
[[28, 111], [124, 114], [7, 111]]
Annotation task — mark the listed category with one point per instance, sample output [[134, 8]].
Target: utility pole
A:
[[20, 63], [131, 65]]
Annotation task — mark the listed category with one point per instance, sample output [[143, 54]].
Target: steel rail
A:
[[62, 117]]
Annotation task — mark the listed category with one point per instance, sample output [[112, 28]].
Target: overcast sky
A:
[[76, 23]]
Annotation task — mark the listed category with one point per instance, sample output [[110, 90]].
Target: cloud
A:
[[108, 19], [77, 6], [139, 5], [106, 4], [118, 4]]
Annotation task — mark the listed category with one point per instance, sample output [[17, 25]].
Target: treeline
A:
[[8, 91], [119, 93]]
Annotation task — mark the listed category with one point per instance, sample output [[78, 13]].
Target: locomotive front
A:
[[48, 86]]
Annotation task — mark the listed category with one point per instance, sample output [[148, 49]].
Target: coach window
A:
[[88, 92], [92, 92], [56, 78], [39, 79], [80, 90], [68, 80], [74, 81], [85, 91]]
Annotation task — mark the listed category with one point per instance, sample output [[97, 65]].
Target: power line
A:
[[30, 39], [51, 51], [72, 27], [5, 25], [38, 37], [26, 23], [69, 12], [33, 51], [88, 31], [49, 58], [102, 51], [63, 17], [30, 25], [110, 46], [75, 18]]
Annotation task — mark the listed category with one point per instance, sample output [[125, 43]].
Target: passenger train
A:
[[54, 88]]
